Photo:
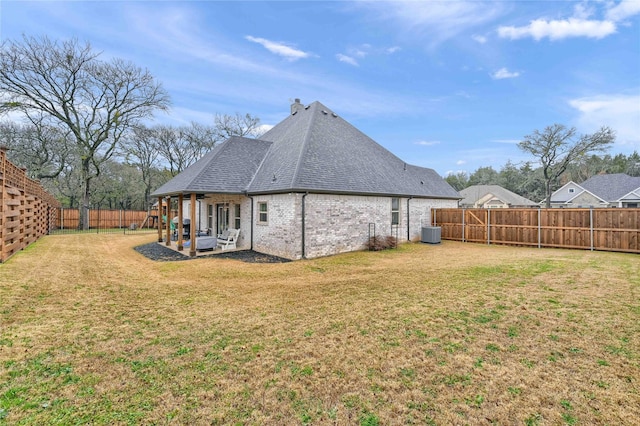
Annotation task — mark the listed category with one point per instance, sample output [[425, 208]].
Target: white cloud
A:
[[461, 162], [621, 112], [480, 39], [262, 129], [279, 48], [362, 52], [433, 21], [347, 59], [559, 29], [504, 73], [427, 143], [579, 25], [623, 10]]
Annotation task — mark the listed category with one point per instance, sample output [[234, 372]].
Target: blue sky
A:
[[449, 85]]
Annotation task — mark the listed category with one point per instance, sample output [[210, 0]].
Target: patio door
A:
[[223, 218]]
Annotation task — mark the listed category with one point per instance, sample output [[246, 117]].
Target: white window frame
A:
[[395, 213], [261, 213], [236, 214]]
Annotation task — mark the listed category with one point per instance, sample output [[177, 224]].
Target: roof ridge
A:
[[264, 157], [305, 142]]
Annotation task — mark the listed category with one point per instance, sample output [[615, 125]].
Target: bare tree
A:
[[558, 146], [141, 152], [180, 147], [67, 84], [177, 151], [236, 125], [40, 148]]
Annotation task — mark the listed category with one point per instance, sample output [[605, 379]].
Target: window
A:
[[395, 211], [237, 216], [572, 190], [263, 212], [210, 216]]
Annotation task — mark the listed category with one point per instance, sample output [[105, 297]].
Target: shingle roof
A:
[[473, 193], [313, 150], [611, 187], [227, 168]]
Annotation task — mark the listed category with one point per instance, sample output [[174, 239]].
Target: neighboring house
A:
[[312, 186], [491, 197], [614, 190]]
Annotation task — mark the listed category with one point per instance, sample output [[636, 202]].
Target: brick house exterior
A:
[[312, 186]]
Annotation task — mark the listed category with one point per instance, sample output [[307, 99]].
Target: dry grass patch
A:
[[450, 334]]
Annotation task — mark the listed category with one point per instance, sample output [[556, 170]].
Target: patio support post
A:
[[159, 219], [192, 228], [168, 225], [180, 222]]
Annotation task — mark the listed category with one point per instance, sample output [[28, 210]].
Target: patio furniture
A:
[[206, 243], [230, 241]]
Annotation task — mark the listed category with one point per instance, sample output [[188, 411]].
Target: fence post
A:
[[591, 227], [463, 223], [539, 228], [488, 226]]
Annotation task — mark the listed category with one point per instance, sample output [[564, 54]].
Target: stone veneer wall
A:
[[282, 234], [335, 223], [340, 223]]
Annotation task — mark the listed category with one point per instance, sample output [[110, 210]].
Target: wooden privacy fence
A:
[[69, 219], [27, 211], [610, 229]]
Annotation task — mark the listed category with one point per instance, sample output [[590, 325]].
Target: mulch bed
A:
[[158, 252]]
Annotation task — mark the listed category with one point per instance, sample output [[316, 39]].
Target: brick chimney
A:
[[296, 106]]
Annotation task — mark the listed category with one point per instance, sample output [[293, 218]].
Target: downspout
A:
[[408, 227], [251, 198], [303, 224]]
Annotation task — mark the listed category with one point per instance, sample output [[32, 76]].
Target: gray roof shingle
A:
[[227, 168], [473, 193], [312, 150], [611, 187]]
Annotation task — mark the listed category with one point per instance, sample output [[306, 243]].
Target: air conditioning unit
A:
[[431, 234]]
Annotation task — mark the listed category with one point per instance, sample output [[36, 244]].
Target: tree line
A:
[[144, 158], [78, 124], [528, 180]]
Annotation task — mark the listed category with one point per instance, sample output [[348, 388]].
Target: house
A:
[[491, 197], [312, 186], [607, 190]]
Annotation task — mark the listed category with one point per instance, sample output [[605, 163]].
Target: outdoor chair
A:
[[228, 241]]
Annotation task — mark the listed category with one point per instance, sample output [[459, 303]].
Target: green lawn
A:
[[93, 332]]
